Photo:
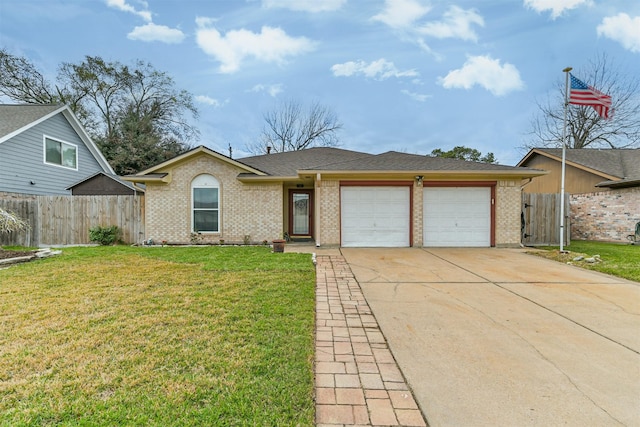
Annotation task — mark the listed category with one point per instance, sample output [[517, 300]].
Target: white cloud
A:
[[557, 7], [416, 96], [125, 7], [456, 23], [486, 72], [401, 13], [378, 70], [152, 32], [622, 28], [312, 6], [272, 90], [203, 99], [269, 45]]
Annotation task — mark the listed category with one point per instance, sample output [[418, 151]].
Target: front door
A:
[[300, 213]]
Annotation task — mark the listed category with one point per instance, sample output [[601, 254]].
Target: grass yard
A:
[[191, 336], [621, 260]]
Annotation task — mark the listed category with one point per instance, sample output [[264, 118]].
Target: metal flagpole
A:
[[564, 155]]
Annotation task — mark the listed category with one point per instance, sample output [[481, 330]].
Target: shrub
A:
[[104, 235], [9, 222]]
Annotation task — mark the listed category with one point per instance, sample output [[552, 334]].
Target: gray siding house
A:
[[44, 150]]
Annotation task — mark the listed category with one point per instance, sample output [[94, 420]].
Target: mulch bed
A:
[[5, 254]]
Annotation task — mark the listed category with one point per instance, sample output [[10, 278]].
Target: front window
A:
[[60, 153], [205, 196]]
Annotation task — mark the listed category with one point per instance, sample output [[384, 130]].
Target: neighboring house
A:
[[335, 197], [586, 170], [102, 184], [602, 186], [44, 150]]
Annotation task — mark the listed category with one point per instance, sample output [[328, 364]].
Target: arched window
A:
[[205, 204]]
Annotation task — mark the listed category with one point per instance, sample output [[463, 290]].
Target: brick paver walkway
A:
[[357, 379]]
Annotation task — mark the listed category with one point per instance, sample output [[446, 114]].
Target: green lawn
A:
[[193, 336], [621, 260]]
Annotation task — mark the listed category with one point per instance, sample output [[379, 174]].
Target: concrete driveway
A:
[[496, 337]]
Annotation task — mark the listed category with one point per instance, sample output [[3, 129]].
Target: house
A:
[[102, 184], [44, 150], [335, 197], [586, 170], [603, 187]]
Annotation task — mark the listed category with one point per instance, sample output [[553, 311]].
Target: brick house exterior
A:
[[258, 198], [253, 210], [607, 216], [603, 187]]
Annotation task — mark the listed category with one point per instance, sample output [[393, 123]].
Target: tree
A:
[[289, 128], [134, 114], [135, 143], [465, 153], [585, 128]]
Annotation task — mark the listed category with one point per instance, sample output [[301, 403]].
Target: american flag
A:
[[582, 94]]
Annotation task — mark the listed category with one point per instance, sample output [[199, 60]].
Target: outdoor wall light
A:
[[419, 179]]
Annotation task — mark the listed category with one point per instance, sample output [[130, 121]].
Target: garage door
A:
[[457, 216], [375, 216]]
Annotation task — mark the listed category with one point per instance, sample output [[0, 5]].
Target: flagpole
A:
[[564, 155]]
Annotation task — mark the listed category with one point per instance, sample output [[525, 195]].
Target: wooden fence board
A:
[[27, 210], [66, 220], [541, 219]]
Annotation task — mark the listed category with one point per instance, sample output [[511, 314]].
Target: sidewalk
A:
[[357, 379]]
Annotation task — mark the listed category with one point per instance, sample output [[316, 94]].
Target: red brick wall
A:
[[607, 216]]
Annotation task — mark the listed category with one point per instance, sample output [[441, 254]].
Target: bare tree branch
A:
[[585, 128], [9, 222], [289, 128]]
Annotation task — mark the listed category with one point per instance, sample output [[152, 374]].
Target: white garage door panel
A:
[[375, 216], [457, 216]]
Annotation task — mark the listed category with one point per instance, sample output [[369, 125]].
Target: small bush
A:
[[104, 235], [9, 222]]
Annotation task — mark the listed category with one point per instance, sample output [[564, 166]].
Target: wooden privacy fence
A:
[[541, 219], [66, 220]]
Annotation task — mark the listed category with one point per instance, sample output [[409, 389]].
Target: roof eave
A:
[[32, 124], [93, 148], [267, 178], [161, 178], [198, 150], [619, 184], [428, 174], [567, 162]]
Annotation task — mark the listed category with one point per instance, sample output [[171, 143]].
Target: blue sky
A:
[[404, 75]]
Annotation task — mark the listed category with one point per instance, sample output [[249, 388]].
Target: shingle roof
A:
[[14, 117], [113, 177], [334, 159], [395, 161], [288, 163], [622, 163]]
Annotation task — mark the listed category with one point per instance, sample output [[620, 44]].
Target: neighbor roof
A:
[[17, 118], [14, 117], [116, 178], [619, 163]]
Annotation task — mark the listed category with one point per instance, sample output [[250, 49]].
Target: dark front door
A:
[[300, 213]]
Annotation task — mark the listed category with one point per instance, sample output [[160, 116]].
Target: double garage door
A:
[[381, 216]]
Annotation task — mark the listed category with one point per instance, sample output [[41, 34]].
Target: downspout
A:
[[526, 183], [316, 222]]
